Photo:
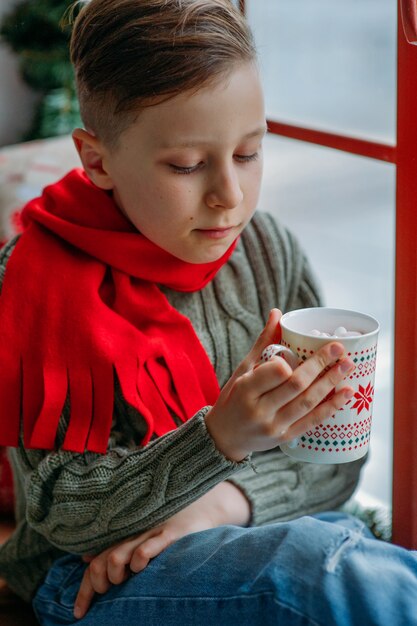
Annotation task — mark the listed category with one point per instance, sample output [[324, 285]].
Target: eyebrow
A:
[[258, 132]]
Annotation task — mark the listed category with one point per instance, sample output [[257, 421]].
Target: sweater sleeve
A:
[[86, 502]]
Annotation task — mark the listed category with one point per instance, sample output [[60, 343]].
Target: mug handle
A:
[[275, 349]]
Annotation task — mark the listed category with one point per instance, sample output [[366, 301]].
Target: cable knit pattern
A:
[[5, 253], [68, 502]]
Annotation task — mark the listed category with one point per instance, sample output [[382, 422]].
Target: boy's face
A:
[[187, 173]]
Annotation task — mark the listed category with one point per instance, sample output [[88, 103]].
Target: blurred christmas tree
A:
[[33, 30]]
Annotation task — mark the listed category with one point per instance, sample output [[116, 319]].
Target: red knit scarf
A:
[[79, 301]]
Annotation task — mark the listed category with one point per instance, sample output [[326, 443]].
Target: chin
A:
[[199, 253], [213, 256], [198, 259]]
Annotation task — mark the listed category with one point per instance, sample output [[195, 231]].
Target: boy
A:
[[132, 385]]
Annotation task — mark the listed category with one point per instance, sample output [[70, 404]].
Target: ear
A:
[[92, 154]]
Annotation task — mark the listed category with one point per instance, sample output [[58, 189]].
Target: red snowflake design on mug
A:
[[364, 397]]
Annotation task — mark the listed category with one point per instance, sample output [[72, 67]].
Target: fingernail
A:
[[270, 315], [336, 349], [346, 366], [348, 394], [78, 612]]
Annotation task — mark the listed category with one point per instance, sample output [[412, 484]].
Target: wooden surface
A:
[[404, 500]]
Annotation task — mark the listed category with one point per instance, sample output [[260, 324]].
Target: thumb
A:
[[270, 334]]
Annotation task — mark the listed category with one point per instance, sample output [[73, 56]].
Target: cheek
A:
[[172, 191], [253, 185], [165, 211], [177, 197]]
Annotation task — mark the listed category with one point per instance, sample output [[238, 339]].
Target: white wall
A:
[[17, 101]]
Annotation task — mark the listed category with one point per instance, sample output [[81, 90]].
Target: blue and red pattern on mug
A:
[[345, 436]]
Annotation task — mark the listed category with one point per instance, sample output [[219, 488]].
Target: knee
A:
[[314, 542]]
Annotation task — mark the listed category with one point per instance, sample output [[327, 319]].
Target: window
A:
[[329, 68]]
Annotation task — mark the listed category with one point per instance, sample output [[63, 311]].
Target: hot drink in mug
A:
[[345, 435]]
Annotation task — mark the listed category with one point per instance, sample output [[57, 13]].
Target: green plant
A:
[[34, 31]]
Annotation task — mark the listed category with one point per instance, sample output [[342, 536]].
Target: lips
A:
[[217, 232], [218, 228]]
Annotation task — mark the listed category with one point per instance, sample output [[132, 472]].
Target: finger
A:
[[326, 356], [87, 558], [84, 597], [320, 360], [118, 562], [304, 375], [267, 336], [267, 376], [309, 400], [98, 572], [319, 415], [149, 549]]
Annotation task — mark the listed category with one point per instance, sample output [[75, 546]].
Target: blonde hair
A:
[[129, 54]]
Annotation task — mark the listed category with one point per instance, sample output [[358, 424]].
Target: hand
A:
[[224, 504], [263, 405]]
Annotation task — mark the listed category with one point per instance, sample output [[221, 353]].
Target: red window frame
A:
[[404, 156]]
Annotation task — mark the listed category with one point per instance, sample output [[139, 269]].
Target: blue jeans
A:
[[324, 570]]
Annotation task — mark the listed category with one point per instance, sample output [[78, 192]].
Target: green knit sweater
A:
[[82, 503]]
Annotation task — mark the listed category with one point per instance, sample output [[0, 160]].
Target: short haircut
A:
[[129, 54]]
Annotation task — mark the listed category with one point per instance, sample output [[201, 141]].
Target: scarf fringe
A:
[[154, 392], [55, 390], [103, 402], [128, 384], [38, 397], [164, 379]]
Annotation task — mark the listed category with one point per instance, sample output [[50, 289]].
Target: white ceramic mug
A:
[[345, 436]]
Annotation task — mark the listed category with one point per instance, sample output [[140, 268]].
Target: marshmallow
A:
[[339, 332], [318, 333]]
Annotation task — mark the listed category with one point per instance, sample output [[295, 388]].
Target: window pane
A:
[[329, 63], [341, 208]]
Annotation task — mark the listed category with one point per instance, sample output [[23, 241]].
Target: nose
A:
[[225, 191]]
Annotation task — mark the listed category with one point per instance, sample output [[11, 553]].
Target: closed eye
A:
[[178, 169], [244, 158]]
